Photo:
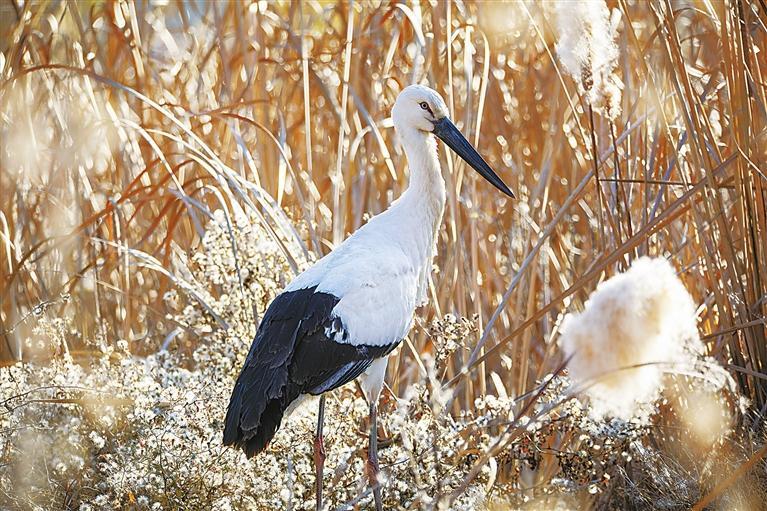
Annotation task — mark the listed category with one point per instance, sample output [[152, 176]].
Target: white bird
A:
[[340, 318]]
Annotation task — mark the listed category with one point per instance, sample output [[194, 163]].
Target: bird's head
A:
[[419, 107], [422, 108]]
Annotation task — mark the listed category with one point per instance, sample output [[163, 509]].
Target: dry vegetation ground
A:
[[165, 168]]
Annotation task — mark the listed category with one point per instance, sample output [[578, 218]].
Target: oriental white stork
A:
[[340, 318]]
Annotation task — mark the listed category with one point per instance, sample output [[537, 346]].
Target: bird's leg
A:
[[373, 458], [319, 452]]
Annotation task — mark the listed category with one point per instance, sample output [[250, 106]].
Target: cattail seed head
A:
[[587, 50], [633, 327]]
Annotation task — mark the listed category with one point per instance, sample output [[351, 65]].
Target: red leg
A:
[[372, 464], [319, 452]]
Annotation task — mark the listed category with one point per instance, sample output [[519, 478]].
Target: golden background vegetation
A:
[[125, 124]]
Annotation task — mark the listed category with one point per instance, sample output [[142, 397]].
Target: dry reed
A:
[[126, 124]]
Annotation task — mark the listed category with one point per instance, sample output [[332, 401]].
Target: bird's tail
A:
[[251, 425]]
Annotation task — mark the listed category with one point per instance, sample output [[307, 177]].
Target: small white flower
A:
[[97, 439]]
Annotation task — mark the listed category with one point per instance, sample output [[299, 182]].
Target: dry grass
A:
[[125, 125]]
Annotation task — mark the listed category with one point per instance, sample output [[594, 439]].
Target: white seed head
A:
[[587, 50], [632, 328]]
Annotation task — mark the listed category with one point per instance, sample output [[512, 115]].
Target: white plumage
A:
[[381, 272]]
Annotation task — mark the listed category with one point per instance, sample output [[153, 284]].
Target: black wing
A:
[[291, 355]]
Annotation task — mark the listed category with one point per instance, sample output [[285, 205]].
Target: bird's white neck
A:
[[424, 197], [418, 211], [426, 183]]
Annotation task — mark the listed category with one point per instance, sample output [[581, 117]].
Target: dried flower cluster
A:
[[587, 50], [122, 430], [126, 431], [447, 332], [559, 437]]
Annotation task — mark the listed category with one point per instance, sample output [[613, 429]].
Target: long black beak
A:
[[449, 134]]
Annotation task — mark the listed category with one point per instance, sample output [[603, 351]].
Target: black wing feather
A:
[[290, 355]]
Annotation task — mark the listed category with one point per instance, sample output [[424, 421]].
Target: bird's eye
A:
[[424, 105]]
